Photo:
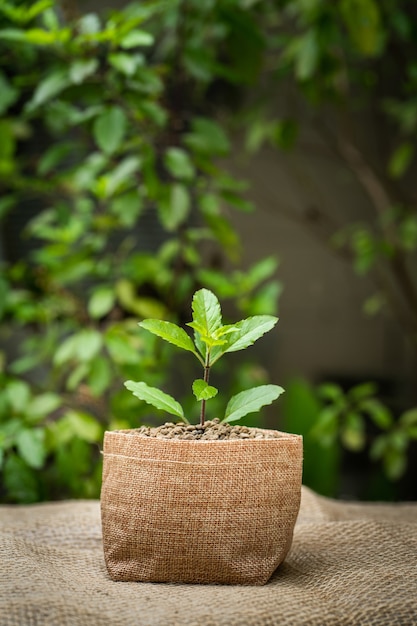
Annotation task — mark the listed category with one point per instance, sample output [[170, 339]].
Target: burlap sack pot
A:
[[198, 511]]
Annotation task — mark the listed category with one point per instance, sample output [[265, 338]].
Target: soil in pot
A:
[[212, 430]]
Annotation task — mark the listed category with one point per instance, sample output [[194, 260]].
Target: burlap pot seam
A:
[[148, 460]]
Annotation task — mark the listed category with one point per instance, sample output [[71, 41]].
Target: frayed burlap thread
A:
[[198, 511]]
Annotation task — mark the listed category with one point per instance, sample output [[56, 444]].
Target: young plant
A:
[[212, 340]]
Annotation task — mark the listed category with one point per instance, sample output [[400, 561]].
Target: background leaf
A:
[[110, 128]]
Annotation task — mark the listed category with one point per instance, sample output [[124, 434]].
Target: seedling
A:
[[212, 340]]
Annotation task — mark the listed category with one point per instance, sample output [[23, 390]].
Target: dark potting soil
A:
[[212, 430]]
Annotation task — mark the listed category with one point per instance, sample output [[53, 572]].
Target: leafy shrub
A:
[[109, 174]]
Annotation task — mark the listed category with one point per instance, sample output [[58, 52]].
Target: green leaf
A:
[[353, 432], [100, 376], [6, 204], [378, 412], [401, 159], [175, 207], [250, 401], [20, 481], [18, 395], [363, 391], [262, 270], [207, 138], [43, 405], [31, 446], [306, 55], [8, 94], [249, 330], [89, 24], [285, 133], [121, 175], [142, 307], [37, 7], [330, 391], [179, 163], [155, 397], [50, 19], [379, 447], [77, 375], [83, 425], [264, 300], [82, 346], [124, 63], [199, 62], [326, 429], [127, 207], [12, 34], [374, 304], [225, 233], [49, 87], [409, 418], [136, 38], [53, 156], [120, 347], [395, 463], [363, 22], [89, 342], [203, 391], [225, 330], [41, 37], [408, 233], [207, 315], [101, 302], [109, 129], [169, 332], [237, 201], [82, 69]]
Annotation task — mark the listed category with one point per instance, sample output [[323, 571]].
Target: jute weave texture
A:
[[349, 565], [198, 511]]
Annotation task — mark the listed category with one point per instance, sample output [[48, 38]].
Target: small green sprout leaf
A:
[[250, 401], [203, 391], [226, 330], [246, 333], [207, 316], [156, 398], [209, 340]]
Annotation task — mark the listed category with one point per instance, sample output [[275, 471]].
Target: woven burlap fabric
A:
[[198, 511], [349, 565]]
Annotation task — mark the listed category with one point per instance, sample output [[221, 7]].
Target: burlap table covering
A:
[[350, 564]]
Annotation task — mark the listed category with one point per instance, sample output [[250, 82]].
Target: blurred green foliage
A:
[[348, 69], [113, 131], [341, 78], [110, 148], [335, 421], [351, 415]]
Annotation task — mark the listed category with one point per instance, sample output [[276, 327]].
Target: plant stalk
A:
[[206, 379]]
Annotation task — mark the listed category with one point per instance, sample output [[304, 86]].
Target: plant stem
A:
[[206, 379]]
